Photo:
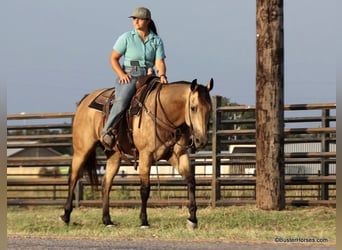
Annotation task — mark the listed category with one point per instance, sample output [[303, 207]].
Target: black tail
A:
[[90, 166]]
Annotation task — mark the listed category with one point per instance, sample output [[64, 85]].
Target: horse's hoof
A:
[[145, 227], [191, 225], [61, 218], [110, 224]]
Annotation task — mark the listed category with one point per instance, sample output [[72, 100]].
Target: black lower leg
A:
[[192, 199], [106, 220], [144, 193], [67, 209]]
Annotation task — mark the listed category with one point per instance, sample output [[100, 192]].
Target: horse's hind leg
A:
[[112, 167], [182, 164], [77, 163]]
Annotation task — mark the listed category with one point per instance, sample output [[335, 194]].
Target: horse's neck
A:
[[174, 100]]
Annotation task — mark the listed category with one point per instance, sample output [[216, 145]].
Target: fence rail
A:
[[222, 177]]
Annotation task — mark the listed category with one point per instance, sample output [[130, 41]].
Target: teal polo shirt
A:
[[131, 46]]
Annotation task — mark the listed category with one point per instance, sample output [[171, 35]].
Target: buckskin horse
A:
[[172, 117]]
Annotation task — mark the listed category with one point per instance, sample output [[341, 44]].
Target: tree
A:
[[270, 183]]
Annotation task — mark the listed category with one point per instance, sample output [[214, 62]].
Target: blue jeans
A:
[[123, 95]]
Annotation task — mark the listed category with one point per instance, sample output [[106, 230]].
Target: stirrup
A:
[[107, 141]]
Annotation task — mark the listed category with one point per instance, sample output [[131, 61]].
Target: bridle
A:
[[176, 131]]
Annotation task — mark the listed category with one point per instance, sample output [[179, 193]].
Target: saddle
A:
[[104, 101], [144, 85]]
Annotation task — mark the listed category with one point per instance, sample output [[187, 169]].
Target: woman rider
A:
[[143, 50]]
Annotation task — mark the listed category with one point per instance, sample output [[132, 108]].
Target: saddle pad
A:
[[102, 98]]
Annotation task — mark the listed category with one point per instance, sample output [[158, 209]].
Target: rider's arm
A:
[[161, 70], [114, 61]]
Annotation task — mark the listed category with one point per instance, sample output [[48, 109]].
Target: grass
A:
[[246, 223]]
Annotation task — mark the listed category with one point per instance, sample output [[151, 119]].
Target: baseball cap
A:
[[142, 13]]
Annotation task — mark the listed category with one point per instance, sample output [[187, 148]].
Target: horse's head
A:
[[197, 115]]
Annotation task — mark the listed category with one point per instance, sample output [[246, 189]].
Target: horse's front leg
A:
[[112, 167], [144, 172], [182, 163], [190, 179]]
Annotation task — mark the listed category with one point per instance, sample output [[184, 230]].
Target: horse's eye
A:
[[193, 109]]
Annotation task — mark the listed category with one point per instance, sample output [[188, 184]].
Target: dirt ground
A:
[[37, 243]]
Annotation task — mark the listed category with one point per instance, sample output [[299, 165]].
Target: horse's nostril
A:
[[199, 143]]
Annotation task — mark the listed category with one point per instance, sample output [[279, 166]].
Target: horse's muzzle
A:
[[199, 142]]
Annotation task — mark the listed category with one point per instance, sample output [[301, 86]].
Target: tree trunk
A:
[[270, 190]]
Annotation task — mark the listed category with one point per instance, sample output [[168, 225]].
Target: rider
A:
[[143, 50]]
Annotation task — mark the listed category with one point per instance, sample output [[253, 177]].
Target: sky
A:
[[55, 52]]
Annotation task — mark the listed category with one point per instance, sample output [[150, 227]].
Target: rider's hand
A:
[[163, 79], [125, 78]]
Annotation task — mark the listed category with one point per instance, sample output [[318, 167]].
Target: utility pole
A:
[[270, 172]]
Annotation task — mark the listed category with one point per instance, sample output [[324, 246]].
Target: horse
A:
[[174, 116]]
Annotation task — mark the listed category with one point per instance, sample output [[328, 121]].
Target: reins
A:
[[168, 125], [155, 138], [190, 121]]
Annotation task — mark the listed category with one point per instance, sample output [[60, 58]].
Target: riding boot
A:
[[108, 139]]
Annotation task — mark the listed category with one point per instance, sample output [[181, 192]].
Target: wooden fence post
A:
[[215, 185], [324, 148], [270, 174]]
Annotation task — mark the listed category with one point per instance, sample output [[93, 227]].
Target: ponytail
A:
[[152, 27]]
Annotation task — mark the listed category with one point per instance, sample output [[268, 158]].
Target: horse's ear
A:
[[210, 84], [193, 85]]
